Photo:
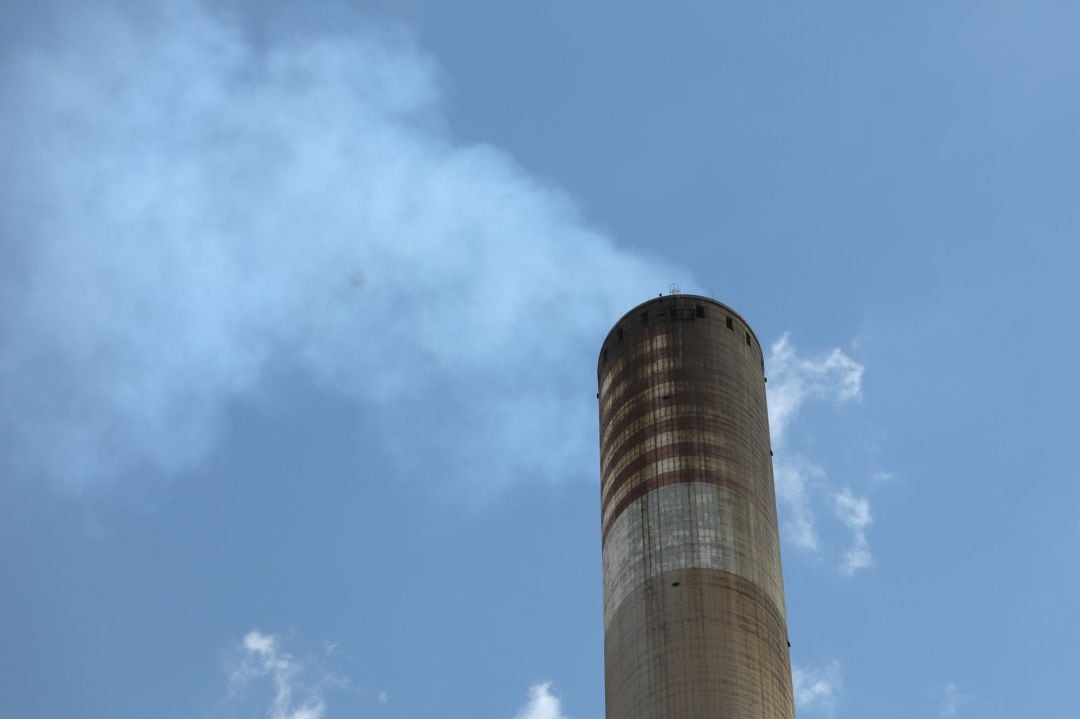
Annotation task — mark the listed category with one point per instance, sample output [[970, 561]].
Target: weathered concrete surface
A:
[[694, 616]]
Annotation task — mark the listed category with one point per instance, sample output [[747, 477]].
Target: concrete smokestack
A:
[[694, 618]]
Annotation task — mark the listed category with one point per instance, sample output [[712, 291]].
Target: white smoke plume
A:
[[184, 209]]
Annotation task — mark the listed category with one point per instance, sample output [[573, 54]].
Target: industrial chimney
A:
[[694, 619]]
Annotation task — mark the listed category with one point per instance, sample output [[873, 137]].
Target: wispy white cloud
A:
[[543, 704], [796, 380], [795, 479], [187, 210], [297, 687], [952, 701], [854, 512], [817, 689]]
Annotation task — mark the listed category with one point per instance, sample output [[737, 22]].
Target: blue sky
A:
[[300, 307]]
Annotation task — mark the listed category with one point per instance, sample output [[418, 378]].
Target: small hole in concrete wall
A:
[[666, 396], [620, 334], [730, 324], [700, 311], [674, 584], [605, 354], [747, 339], [644, 318]]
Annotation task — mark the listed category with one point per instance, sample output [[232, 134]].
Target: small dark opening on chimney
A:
[[700, 309], [730, 324], [675, 584], [666, 396], [644, 318], [619, 332], [605, 354], [747, 339]]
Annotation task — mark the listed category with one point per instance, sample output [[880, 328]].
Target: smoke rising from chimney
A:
[[183, 209]]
